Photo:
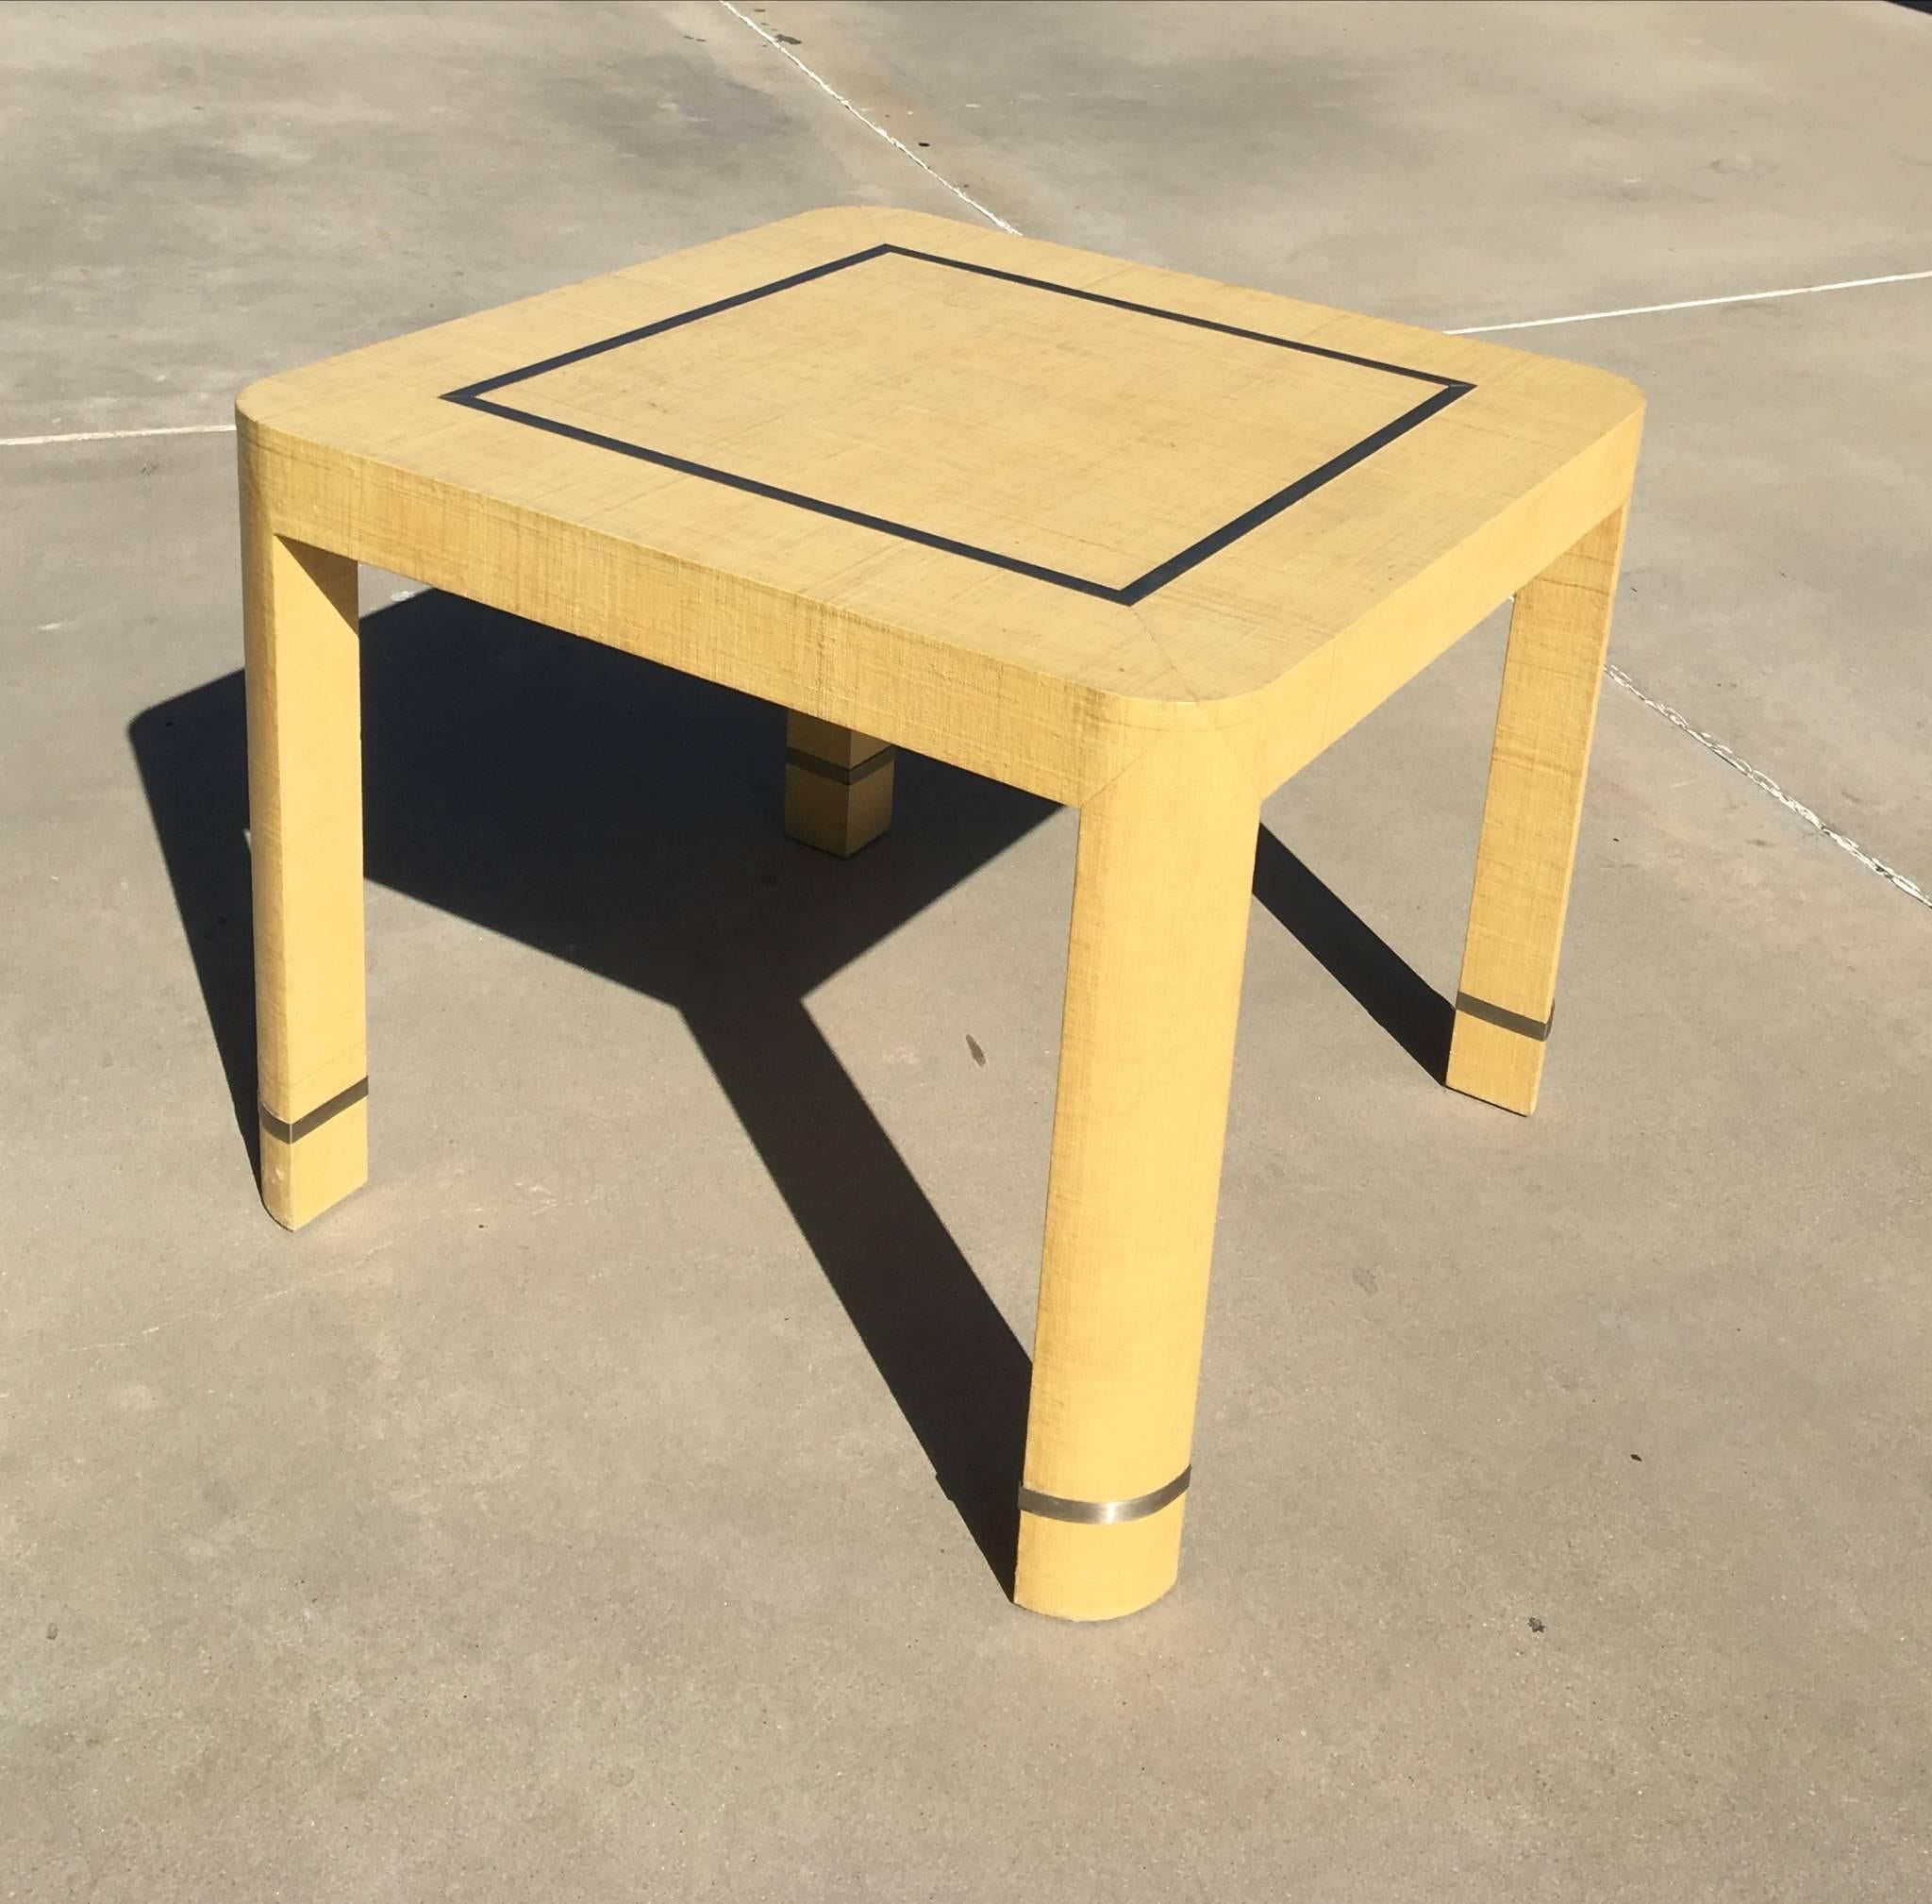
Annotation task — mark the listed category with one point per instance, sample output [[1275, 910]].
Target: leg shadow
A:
[[628, 819], [953, 1365], [193, 757], [1389, 990]]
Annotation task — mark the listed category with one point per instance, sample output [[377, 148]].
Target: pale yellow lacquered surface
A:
[[1288, 635], [1047, 460]]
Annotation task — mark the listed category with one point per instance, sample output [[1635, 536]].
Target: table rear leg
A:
[[1559, 633], [305, 806], [838, 785]]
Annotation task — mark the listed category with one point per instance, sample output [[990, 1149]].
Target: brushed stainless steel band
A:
[[1105, 1514], [1537, 1029], [831, 770], [315, 1119]]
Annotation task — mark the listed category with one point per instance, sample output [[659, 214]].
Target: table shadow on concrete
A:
[[625, 818], [1376, 976]]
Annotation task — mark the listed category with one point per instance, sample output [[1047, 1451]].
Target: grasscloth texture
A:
[[304, 803], [1553, 673], [1136, 542], [1154, 980]]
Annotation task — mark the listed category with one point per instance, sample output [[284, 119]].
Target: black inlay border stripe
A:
[[478, 396], [314, 1120]]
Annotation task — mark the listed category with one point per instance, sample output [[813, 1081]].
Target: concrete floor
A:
[[595, 1507]]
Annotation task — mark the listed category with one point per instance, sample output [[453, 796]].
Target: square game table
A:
[[1139, 543]]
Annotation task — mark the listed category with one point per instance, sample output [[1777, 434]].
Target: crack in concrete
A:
[[253, 1302], [899, 145], [1764, 781]]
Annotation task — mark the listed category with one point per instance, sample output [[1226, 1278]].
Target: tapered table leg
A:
[[1154, 970], [838, 785], [1558, 632], [304, 809]]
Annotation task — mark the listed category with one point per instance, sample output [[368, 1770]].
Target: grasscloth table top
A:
[[1062, 488]]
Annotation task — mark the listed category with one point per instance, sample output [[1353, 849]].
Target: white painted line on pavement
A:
[[1695, 303], [119, 435]]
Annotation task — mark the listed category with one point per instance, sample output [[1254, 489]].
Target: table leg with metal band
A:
[[1162, 897], [1560, 631], [305, 806]]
